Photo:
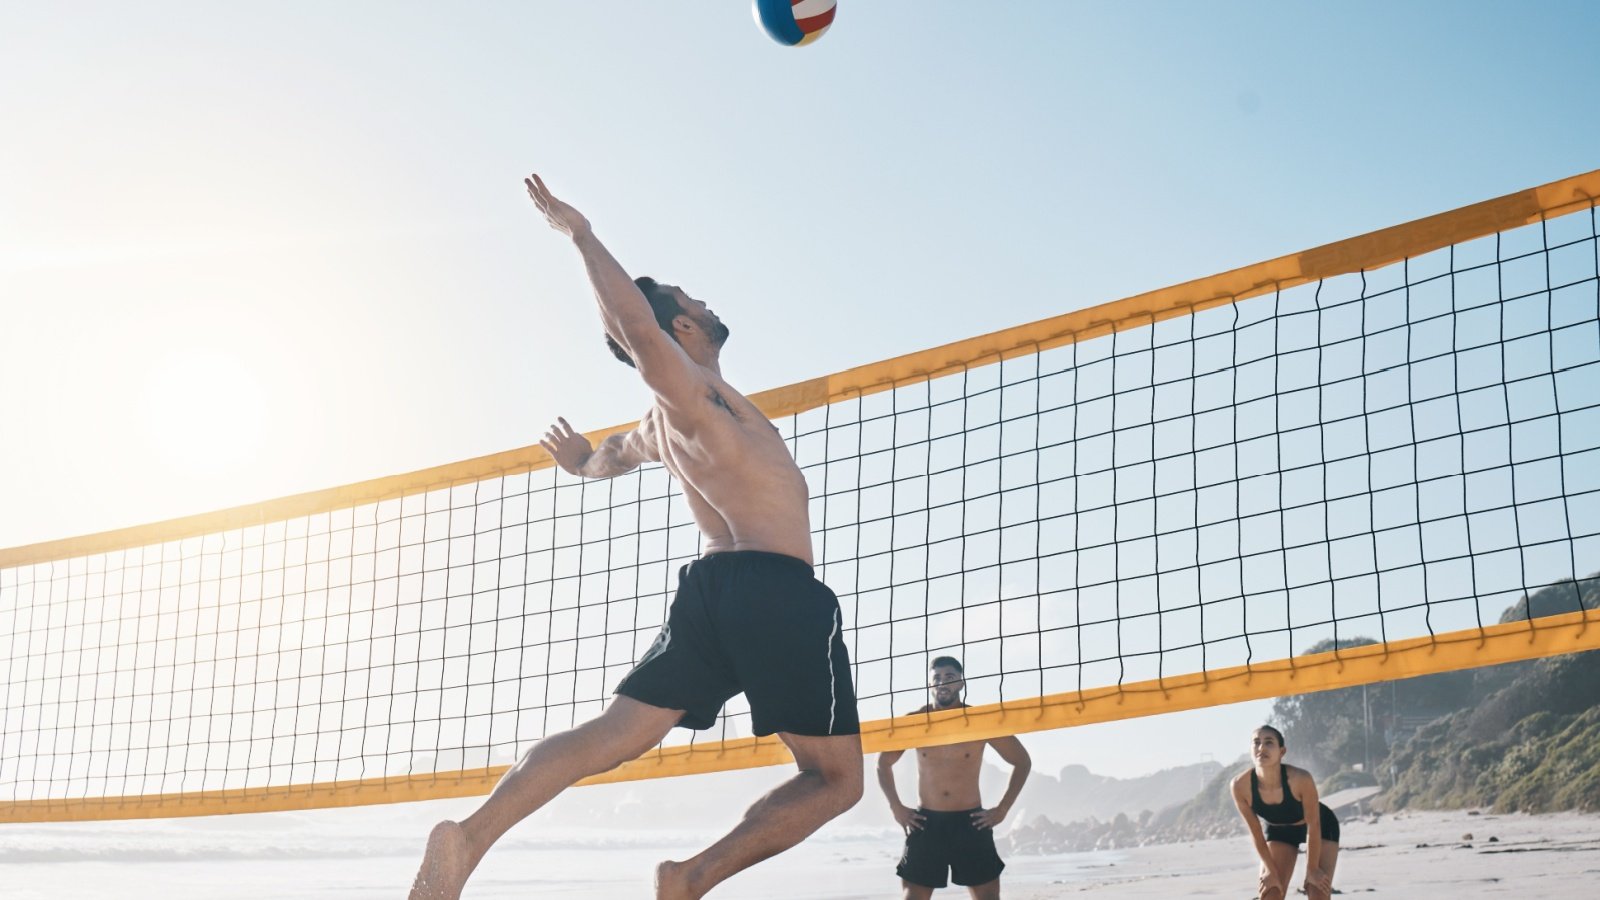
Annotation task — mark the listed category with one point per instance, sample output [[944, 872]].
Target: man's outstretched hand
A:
[[561, 216], [568, 448]]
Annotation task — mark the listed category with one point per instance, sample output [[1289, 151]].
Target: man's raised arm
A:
[[617, 454], [624, 312]]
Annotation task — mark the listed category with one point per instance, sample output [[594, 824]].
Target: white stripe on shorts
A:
[[833, 687]]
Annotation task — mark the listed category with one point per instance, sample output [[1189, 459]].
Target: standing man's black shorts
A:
[[949, 841], [756, 622]]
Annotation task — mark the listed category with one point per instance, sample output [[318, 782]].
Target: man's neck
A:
[[703, 354], [708, 361]]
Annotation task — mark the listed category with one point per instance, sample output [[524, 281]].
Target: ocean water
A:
[[369, 853]]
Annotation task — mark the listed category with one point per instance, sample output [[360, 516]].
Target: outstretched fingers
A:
[[559, 437], [561, 430], [539, 193], [536, 189], [561, 217]]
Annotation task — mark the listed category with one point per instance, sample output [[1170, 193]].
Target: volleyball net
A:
[[1160, 503]]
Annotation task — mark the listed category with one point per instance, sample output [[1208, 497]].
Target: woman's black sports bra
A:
[[1288, 811]]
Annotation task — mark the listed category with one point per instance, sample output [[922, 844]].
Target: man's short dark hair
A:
[[949, 661], [662, 303], [1275, 733]]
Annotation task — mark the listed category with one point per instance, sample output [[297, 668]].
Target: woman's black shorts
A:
[[756, 622], [1296, 834]]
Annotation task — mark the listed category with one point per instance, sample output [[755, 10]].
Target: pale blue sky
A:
[[249, 251]]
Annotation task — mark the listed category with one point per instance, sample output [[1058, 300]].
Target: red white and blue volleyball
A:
[[795, 23]]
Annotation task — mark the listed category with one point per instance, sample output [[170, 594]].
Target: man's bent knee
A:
[[841, 790], [850, 795], [846, 785], [835, 760]]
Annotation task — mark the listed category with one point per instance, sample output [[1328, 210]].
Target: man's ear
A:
[[682, 324]]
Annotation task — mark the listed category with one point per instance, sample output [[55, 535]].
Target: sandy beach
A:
[[371, 853], [1432, 855]]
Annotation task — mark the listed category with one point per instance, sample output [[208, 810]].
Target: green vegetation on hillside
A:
[[1522, 736]]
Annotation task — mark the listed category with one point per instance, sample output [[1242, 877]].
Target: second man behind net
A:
[[950, 835]]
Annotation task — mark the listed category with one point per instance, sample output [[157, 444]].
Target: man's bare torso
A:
[[741, 483], [947, 776]]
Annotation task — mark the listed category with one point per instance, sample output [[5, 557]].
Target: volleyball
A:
[[794, 23]]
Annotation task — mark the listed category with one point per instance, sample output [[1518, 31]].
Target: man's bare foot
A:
[[445, 864], [672, 882]]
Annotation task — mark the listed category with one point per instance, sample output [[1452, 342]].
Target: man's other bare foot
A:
[[672, 882], [445, 864]]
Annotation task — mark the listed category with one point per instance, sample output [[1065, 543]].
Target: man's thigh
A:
[[914, 891], [834, 755], [629, 727]]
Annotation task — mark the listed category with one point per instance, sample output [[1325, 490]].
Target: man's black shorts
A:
[[949, 841], [755, 622]]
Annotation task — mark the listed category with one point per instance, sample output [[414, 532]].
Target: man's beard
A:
[[714, 329]]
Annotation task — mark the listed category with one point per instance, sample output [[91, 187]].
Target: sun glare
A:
[[203, 413]]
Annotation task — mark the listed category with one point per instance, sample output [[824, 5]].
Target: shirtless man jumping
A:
[[748, 615], [950, 831]]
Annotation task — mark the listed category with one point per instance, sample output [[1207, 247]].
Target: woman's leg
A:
[[1283, 862], [1330, 859]]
